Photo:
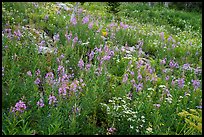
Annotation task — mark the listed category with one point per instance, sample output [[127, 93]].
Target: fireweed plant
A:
[[79, 71]]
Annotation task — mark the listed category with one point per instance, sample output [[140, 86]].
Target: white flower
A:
[[162, 86], [149, 129], [129, 119], [150, 89], [131, 127]]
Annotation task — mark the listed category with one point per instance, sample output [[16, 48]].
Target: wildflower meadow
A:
[[71, 68]]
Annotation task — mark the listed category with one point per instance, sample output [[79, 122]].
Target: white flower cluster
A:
[[119, 109]]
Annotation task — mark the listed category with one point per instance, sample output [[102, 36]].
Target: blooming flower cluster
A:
[[20, 107]]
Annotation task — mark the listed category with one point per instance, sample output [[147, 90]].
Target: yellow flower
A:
[[104, 33]]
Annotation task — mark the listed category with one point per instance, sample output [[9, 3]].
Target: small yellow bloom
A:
[[104, 33]]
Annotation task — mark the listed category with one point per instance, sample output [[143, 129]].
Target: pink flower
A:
[[111, 130]]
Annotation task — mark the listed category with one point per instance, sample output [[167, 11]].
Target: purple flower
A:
[[49, 78], [124, 26], [62, 56], [40, 103], [172, 82], [173, 45], [154, 78], [196, 83], [139, 77], [133, 82], [2, 71], [91, 25], [37, 72], [35, 4], [8, 32], [197, 70], [56, 37], [62, 91], [68, 36], [88, 66], [147, 78], [140, 52], [74, 85], [112, 24], [167, 78], [65, 77], [200, 107], [99, 29], [170, 38], [171, 64], [81, 64], [52, 99], [37, 81], [163, 61], [157, 105], [132, 73], [46, 17], [18, 34], [58, 12], [29, 73], [20, 106], [186, 66], [111, 130], [74, 21], [85, 20], [162, 35], [139, 87], [181, 82], [106, 57], [42, 43], [125, 78], [130, 62], [80, 10], [49, 75], [75, 39], [60, 69], [91, 55]]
